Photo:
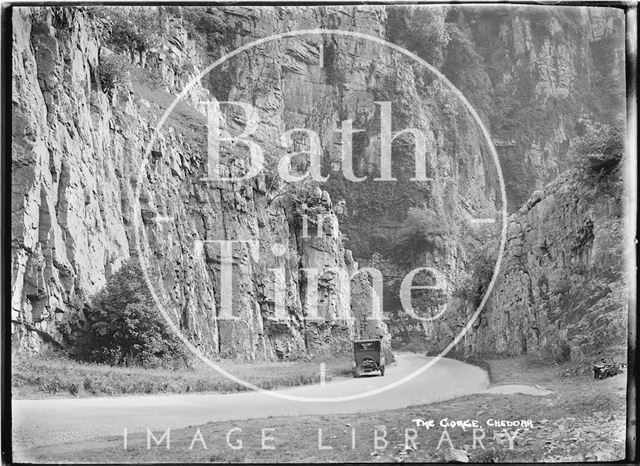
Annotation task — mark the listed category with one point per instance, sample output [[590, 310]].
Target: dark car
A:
[[367, 357]]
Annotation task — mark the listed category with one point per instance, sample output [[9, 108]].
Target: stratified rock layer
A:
[[562, 287], [83, 180], [561, 291]]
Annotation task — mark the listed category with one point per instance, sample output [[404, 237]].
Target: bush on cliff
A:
[[115, 72], [421, 30], [600, 150], [131, 28], [126, 327], [472, 286], [423, 229]]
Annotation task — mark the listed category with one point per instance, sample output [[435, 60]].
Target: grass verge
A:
[[479, 362], [582, 420], [46, 377]]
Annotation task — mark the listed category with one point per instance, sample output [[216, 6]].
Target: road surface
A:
[[47, 422]]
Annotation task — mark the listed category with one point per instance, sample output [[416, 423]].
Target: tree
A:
[[131, 28], [472, 285], [600, 150], [419, 29], [126, 327], [115, 72], [422, 229]]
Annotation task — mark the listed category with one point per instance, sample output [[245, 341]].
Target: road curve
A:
[[53, 421]]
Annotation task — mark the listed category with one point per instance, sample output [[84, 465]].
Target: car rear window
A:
[[367, 345]]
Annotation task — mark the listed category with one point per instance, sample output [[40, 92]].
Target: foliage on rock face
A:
[[214, 29], [126, 328], [218, 35], [423, 229], [132, 28], [115, 72], [473, 285], [419, 29], [600, 150], [443, 45], [464, 67]]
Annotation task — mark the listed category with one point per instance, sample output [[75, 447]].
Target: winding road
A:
[[53, 421]]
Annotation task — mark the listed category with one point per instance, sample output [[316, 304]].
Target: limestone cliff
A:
[[81, 180], [562, 289], [77, 156], [540, 72], [537, 75]]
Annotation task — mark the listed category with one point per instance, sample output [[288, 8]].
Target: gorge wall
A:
[[561, 290], [541, 73], [536, 76], [78, 151], [561, 293]]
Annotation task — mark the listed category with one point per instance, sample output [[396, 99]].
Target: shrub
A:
[[419, 29], [423, 229], [471, 286], [553, 352], [132, 28], [126, 327], [600, 150], [115, 71]]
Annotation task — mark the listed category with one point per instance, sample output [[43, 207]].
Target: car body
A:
[[368, 356]]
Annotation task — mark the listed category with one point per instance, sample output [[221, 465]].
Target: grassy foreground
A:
[[582, 420], [46, 377]]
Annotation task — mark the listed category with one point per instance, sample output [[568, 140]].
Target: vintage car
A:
[[607, 368], [367, 357]]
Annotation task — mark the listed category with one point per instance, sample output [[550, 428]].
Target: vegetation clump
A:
[[127, 329], [600, 150], [131, 28], [419, 29], [115, 72], [472, 286], [423, 229]]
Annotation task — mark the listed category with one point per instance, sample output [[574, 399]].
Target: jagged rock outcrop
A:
[[541, 72], [562, 288], [535, 75], [77, 157], [77, 195], [561, 292]]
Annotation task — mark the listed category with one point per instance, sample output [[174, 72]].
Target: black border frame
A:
[[631, 76]]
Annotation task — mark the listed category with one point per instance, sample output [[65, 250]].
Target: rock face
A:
[[562, 288], [85, 188], [81, 184], [535, 75], [542, 71], [561, 291]]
